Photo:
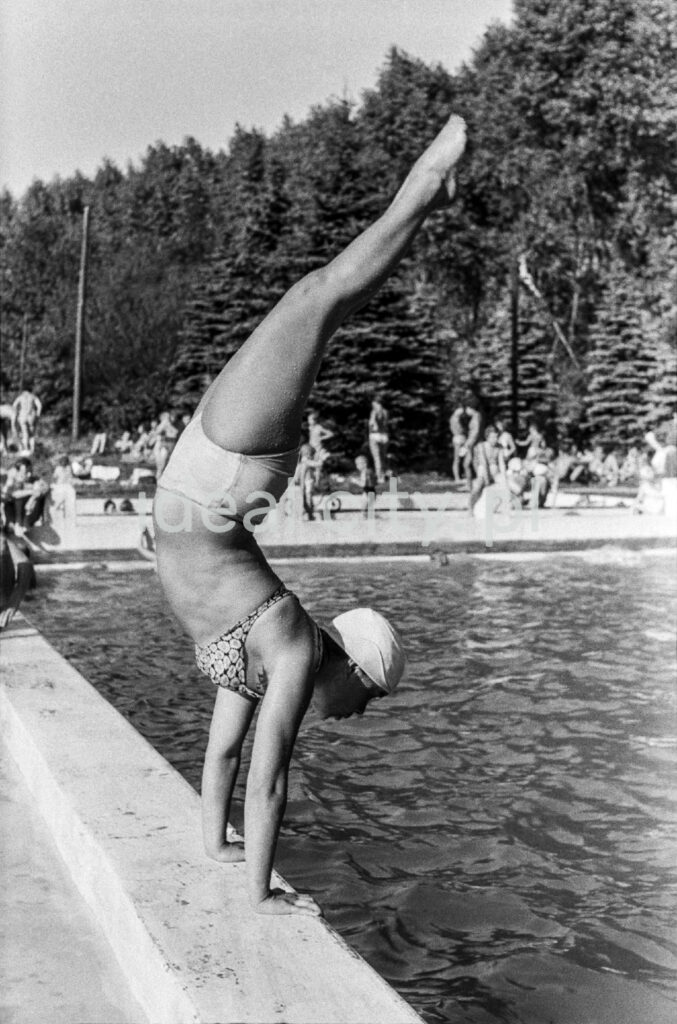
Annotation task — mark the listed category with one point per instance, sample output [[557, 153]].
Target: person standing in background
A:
[[367, 482], [506, 441], [27, 411], [474, 437], [317, 432], [317, 435], [379, 437], [459, 437], [166, 435]]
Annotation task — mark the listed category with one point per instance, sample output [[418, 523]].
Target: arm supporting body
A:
[[287, 698]]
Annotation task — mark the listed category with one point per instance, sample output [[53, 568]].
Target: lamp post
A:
[[22, 358], [514, 347], [82, 289]]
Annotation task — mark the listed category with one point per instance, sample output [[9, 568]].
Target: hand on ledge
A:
[[229, 853], [280, 902]]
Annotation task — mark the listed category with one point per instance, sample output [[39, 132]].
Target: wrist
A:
[[258, 894]]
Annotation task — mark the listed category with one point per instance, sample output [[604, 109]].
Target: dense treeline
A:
[[571, 168]]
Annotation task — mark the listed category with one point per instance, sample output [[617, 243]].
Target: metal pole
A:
[[22, 360], [82, 288], [514, 347]]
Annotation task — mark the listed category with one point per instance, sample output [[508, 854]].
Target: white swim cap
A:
[[373, 644]]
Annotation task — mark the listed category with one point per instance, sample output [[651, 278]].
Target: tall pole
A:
[[514, 347], [22, 360], [82, 289]]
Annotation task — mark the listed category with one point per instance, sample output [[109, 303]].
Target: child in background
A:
[[367, 481], [35, 506], [305, 479], [63, 481], [630, 467], [649, 499], [82, 469], [125, 444], [63, 474]]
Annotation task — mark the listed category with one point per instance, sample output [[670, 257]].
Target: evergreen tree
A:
[[537, 390], [488, 373], [662, 332], [239, 283], [663, 387], [621, 364]]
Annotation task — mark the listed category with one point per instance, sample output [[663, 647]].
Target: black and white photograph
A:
[[338, 511]]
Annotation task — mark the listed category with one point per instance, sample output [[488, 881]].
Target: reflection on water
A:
[[498, 838]]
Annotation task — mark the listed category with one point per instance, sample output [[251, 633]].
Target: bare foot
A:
[[443, 154], [229, 853]]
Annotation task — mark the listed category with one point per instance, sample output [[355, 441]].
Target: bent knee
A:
[[315, 286]]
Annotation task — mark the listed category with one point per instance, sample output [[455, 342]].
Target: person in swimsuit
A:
[[458, 428], [164, 440], [229, 467], [379, 437], [489, 465], [367, 481], [506, 441], [27, 411], [305, 478], [473, 438]]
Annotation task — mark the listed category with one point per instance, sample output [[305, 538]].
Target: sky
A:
[[81, 80]]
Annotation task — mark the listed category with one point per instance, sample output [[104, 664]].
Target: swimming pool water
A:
[[499, 837]]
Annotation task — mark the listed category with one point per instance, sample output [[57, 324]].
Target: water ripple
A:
[[499, 838]]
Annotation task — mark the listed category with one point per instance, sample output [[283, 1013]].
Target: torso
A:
[[211, 579], [378, 421], [457, 424], [474, 428], [506, 442], [28, 408]]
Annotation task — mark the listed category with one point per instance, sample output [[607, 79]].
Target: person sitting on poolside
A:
[[124, 444], [233, 461], [649, 497], [542, 474], [611, 469], [630, 466], [17, 574], [488, 465], [16, 492], [517, 480], [506, 441]]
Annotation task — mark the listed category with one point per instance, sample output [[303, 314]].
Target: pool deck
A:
[[42, 914], [417, 524], [181, 942]]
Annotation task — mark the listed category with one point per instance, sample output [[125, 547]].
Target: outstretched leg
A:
[[256, 403]]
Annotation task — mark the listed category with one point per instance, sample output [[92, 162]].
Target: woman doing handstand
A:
[[252, 636]]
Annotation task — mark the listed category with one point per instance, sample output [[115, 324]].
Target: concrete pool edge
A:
[[381, 551], [127, 826]]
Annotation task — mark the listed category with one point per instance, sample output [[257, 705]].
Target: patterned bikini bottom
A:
[[224, 659]]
